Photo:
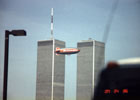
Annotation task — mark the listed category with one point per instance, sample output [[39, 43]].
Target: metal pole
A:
[[53, 70], [5, 75]]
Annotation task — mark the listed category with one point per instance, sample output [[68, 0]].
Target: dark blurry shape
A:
[[5, 76], [112, 65], [18, 32], [119, 83], [109, 22]]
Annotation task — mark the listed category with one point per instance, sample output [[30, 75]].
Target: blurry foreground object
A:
[[119, 81]]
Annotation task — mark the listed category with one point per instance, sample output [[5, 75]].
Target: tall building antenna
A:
[[52, 23]]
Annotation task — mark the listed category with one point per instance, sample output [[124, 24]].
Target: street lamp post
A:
[[5, 76]]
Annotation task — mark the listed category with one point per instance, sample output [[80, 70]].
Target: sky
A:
[[74, 20]]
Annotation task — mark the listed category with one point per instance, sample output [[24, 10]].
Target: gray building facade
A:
[[90, 61], [50, 75]]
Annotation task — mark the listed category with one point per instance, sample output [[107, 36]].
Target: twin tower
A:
[[51, 69]]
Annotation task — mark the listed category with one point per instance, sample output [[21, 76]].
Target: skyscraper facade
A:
[[50, 71], [90, 61]]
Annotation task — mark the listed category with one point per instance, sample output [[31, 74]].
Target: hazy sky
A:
[[74, 20]]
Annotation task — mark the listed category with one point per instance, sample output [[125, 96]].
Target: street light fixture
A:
[[5, 76], [18, 32]]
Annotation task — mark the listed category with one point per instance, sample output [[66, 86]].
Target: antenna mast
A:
[[52, 23]]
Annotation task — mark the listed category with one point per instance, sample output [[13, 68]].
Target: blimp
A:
[[66, 51]]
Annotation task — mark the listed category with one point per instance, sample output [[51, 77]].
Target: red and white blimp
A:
[[66, 51]]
